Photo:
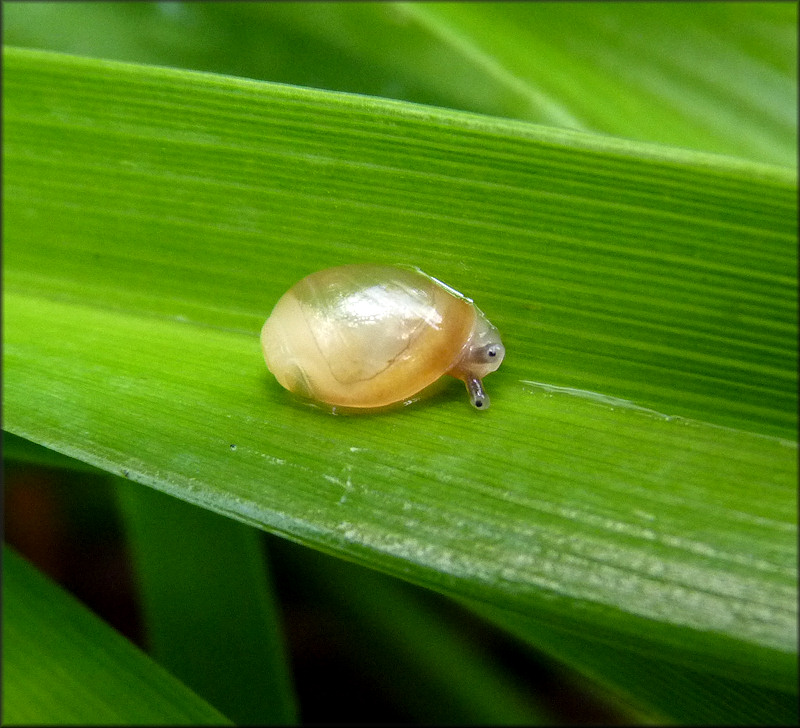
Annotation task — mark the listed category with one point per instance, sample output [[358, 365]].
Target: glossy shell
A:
[[367, 336]]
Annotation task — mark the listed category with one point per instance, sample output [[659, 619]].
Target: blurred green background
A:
[[717, 77], [710, 77]]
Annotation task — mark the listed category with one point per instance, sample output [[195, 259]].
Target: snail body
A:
[[368, 336]]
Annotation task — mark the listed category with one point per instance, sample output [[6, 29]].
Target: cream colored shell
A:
[[367, 336]]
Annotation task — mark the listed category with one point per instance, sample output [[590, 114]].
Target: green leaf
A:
[[636, 476], [196, 570], [638, 675], [446, 675], [63, 665], [716, 77]]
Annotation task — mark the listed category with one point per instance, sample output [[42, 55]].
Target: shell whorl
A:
[[365, 336]]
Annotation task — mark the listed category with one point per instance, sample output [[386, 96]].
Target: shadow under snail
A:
[[368, 336]]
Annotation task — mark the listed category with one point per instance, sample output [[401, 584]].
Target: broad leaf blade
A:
[[665, 265]]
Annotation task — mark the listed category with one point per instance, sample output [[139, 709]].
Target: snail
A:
[[369, 336]]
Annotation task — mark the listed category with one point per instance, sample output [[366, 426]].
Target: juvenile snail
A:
[[367, 336]]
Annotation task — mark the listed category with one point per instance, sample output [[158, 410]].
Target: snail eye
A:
[[489, 353]]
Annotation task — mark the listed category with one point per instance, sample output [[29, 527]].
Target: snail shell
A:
[[367, 336]]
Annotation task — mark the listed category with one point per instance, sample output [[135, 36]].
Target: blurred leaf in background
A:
[[716, 77], [628, 507]]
